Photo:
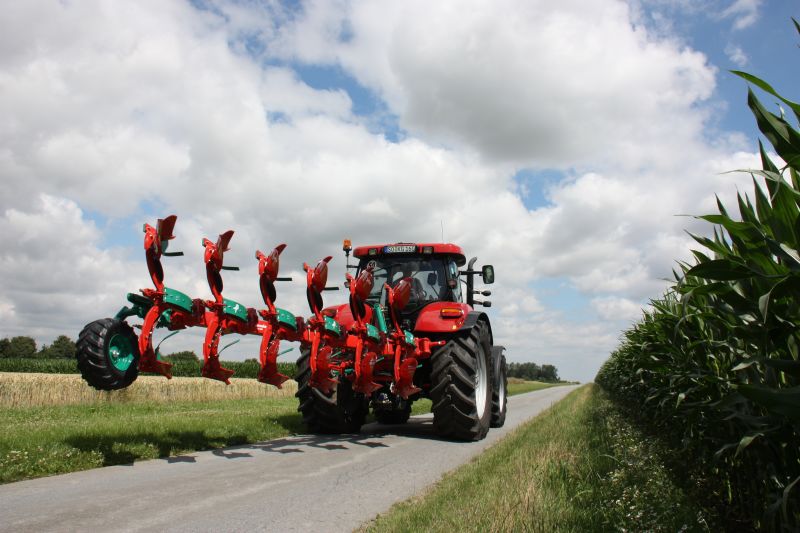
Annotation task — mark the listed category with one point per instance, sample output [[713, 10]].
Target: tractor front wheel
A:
[[342, 411], [461, 379], [108, 354]]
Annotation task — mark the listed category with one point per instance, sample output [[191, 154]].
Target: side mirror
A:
[[487, 272]]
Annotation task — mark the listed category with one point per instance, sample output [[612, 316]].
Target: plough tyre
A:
[[108, 354], [340, 411], [461, 389]]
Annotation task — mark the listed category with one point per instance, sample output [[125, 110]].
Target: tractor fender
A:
[[472, 320], [431, 319]]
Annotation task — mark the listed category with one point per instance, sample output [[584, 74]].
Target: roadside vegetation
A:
[[41, 441], [579, 466], [714, 368]]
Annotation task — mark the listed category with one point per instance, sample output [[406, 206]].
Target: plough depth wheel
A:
[[108, 354], [341, 411]]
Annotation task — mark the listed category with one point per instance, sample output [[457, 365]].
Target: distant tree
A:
[[186, 355], [529, 371], [549, 373], [532, 372], [5, 347], [21, 347], [62, 348]]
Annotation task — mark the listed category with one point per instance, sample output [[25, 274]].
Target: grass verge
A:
[[164, 419], [580, 466], [41, 441]]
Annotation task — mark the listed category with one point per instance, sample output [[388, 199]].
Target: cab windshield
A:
[[428, 278]]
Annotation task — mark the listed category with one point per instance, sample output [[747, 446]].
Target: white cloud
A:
[[585, 86], [736, 55], [616, 309], [55, 273], [131, 109], [743, 12]]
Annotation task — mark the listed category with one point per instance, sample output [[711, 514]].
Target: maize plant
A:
[[716, 361]]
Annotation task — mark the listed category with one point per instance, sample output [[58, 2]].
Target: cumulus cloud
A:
[[56, 272], [125, 112], [736, 55], [743, 12], [504, 92], [616, 309]]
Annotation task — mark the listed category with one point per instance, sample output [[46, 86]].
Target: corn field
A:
[[30, 390], [715, 362]]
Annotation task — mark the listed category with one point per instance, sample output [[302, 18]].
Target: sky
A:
[[564, 144]]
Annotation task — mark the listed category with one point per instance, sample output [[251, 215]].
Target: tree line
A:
[[533, 372], [23, 347]]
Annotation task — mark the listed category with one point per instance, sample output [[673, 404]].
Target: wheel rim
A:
[[502, 394], [481, 384], [120, 351]]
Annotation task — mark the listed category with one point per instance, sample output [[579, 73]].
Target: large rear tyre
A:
[[108, 354], [499, 396], [342, 411], [461, 386]]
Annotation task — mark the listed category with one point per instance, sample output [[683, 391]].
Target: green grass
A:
[[580, 466], [42, 441], [529, 386]]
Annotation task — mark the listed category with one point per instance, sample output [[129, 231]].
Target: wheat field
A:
[[29, 390]]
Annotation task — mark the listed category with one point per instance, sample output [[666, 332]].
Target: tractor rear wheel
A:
[[499, 396], [108, 354], [461, 379], [393, 416], [342, 411]]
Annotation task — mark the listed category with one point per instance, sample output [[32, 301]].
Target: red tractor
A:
[[431, 302], [434, 344]]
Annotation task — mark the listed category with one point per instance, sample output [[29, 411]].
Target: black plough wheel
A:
[[108, 354]]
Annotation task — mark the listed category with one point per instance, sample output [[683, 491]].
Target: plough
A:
[[351, 356]]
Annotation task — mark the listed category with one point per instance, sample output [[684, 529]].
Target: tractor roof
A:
[[412, 248]]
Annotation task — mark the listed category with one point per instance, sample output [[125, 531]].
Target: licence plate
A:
[[400, 249]]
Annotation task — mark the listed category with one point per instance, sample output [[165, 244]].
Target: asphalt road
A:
[[301, 483]]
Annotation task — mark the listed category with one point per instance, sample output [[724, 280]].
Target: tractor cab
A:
[[432, 269]]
